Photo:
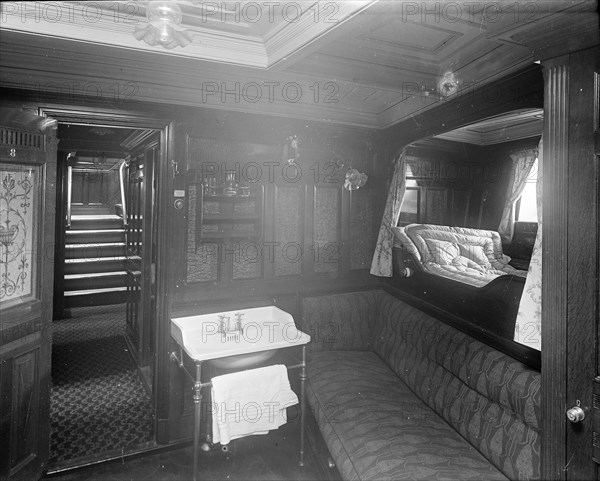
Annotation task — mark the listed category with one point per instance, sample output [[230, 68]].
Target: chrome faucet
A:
[[223, 328], [238, 322]]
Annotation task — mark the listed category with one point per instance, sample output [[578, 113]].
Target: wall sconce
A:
[[163, 28], [290, 149], [354, 179]]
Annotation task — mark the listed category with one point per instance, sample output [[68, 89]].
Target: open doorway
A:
[[104, 334]]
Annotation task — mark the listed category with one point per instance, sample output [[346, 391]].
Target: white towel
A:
[[250, 402]]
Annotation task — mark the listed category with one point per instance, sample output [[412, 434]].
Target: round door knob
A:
[[576, 414]]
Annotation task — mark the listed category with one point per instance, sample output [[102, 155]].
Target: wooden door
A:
[[27, 205], [140, 252], [571, 245]]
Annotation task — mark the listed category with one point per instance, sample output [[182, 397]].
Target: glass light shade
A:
[[164, 16], [168, 12]]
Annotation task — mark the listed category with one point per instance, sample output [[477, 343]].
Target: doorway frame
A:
[[99, 116]]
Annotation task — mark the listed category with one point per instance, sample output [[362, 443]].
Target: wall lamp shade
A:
[[354, 179], [164, 26]]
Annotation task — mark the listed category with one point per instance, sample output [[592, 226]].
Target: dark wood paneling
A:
[[524, 89], [25, 321], [554, 283], [570, 264], [583, 255], [310, 227]]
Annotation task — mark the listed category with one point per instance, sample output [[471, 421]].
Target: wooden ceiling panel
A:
[[361, 62]]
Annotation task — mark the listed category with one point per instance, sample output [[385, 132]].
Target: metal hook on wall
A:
[[175, 166]]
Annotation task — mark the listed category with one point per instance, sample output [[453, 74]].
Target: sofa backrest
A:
[[339, 321], [491, 399]]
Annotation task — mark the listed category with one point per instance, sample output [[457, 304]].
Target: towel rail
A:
[[199, 385]]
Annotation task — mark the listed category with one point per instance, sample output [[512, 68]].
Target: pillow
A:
[[401, 239], [465, 262], [442, 251], [475, 253]]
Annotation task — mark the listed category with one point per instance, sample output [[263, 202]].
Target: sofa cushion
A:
[[376, 428], [488, 397]]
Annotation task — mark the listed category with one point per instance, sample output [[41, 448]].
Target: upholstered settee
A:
[[398, 394]]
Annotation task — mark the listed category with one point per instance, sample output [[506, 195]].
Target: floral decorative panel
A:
[[201, 258], [288, 231], [19, 207], [247, 258], [203, 263], [362, 237], [326, 245]]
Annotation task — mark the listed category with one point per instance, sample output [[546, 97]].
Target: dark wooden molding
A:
[[570, 264], [137, 138], [554, 287], [523, 89]]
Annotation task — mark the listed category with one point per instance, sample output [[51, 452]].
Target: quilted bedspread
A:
[[470, 256]]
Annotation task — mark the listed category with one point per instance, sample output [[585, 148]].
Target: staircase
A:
[[94, 270]]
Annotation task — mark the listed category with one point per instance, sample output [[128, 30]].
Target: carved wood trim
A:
[[554, 286]]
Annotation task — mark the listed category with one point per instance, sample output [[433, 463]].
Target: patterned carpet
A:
[[98, 402]]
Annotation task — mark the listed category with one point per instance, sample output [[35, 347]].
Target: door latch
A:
[[576, 414]]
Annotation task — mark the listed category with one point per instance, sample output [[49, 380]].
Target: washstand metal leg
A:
[[197, 416], [302, 404]]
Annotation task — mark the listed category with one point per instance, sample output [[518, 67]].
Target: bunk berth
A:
[[462, 271]]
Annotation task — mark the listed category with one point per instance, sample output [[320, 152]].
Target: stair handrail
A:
[[124, 164]]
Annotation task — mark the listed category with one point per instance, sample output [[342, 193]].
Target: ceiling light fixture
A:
[[448, 84], [164, 26]]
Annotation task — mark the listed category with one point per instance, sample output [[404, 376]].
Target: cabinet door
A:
[[27, 203]]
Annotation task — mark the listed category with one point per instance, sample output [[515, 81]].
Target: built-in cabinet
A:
[[258, 224]]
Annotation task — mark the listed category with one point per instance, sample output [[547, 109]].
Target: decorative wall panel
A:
[[362, 238], [19, 204], [288, 231], [326, 245], [201, 259], [247, 257]]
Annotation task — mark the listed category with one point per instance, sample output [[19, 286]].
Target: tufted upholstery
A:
[[428, 402]]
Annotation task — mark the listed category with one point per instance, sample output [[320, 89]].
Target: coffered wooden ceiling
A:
[[360, 62]]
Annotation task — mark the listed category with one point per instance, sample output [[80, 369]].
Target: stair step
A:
[[89, 209], [99, 297], [95, 250], [103, 221], [87, 236], [107, 264], [95, 217], [95, 291], [95, 280]]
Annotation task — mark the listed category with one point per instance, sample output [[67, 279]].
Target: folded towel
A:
[[250, 402]]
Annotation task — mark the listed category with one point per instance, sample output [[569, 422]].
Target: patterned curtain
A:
[[382, 264], [528, 328], [522, 162]]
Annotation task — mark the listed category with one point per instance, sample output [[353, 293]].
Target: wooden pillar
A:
[[570, 263]]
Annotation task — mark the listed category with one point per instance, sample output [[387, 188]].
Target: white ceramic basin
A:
[[264, 331]]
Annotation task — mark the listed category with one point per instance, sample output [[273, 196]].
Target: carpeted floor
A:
[[98, 402]]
